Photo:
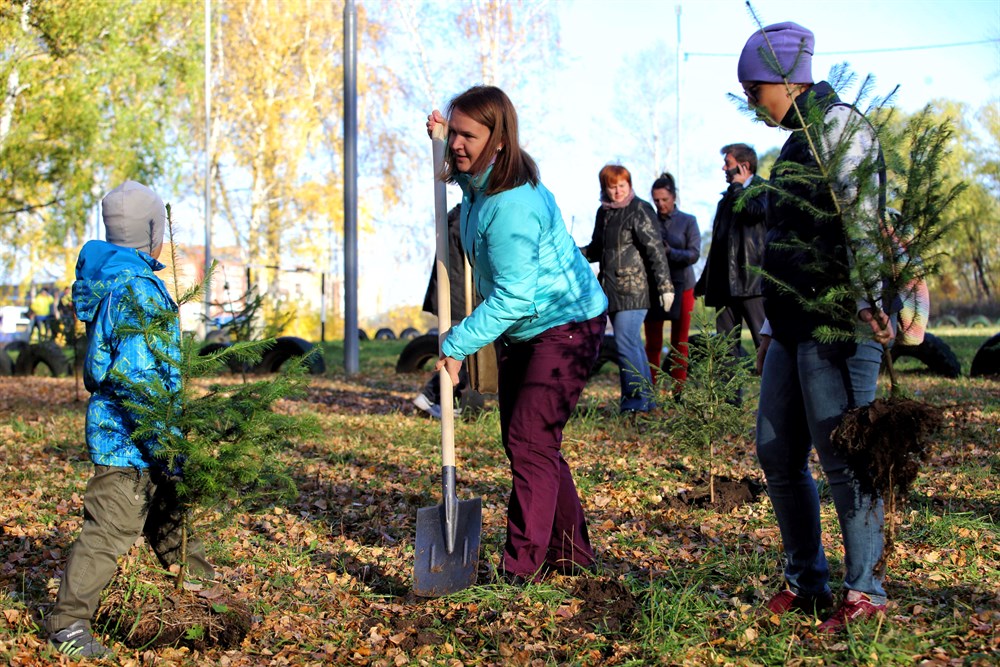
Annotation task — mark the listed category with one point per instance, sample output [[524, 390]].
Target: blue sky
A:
[[596, 35]]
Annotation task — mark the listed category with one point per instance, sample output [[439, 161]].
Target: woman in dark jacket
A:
[[682, 242], [631, 255]]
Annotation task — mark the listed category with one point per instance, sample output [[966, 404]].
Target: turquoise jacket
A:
[[525, 265], [115, 289]]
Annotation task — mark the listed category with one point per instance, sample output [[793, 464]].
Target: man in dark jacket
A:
[[729, 281]]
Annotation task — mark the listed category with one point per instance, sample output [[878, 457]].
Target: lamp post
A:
[[208, 158], [351, 343]]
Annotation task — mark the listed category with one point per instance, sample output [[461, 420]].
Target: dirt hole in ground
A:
[[729, 494], [211, 618], [418, 632], [607, 606]]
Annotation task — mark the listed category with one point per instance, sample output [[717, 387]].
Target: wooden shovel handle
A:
[[438, 138]]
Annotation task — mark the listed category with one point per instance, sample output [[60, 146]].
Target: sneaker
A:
[[76, 641], [789, 601], [855, 607], [424, 403]]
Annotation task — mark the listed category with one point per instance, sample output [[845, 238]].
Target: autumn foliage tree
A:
[[277, 129], [87, 91]]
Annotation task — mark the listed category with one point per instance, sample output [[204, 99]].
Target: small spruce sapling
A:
[[712, 409], [225, 444]]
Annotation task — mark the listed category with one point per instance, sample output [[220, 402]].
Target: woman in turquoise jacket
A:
[[540, 298]]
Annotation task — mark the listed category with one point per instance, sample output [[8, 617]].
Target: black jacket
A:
[[737, 245], [456, 272], [630, 251]]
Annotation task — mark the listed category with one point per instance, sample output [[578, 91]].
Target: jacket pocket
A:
[[631, 280]]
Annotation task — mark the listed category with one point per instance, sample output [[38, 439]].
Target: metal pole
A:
[[208, 159], [351, 343], [677, 93], [322, 307]]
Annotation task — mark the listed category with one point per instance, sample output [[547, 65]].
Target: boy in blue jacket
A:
[[130, 493]]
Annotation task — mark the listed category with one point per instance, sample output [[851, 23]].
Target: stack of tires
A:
[[45, 358]]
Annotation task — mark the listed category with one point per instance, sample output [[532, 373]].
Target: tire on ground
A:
[[471, 401], [933, 353], [286, 347], [46, 354], [385, 333], [15, 346], [6, 365], [417, 353], [987, 359], [608, 353], [947, 321], [232, 364], [977, 321], [362, 334], [409, 333]]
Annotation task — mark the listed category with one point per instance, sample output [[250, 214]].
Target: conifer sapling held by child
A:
[[133, 348]]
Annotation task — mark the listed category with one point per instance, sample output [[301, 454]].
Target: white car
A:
[[14, 323]]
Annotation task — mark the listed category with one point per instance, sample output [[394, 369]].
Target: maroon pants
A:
[[540, 382]]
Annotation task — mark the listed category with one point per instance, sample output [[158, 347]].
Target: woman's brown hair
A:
[[513, 167]]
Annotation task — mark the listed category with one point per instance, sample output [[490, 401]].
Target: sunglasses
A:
[[751, 90]]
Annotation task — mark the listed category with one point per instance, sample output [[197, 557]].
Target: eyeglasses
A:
[[751, 91]]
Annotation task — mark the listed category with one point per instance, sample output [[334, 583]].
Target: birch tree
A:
[[277, 125], [87, 88]]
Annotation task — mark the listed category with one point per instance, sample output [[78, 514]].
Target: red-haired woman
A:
[[630, 251]]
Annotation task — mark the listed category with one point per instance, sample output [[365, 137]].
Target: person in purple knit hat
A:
[[807, 384]]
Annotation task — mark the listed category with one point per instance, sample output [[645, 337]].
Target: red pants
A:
[[540, 382], [678, 340]]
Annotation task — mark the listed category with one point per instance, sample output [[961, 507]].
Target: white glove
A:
[[667, 300]]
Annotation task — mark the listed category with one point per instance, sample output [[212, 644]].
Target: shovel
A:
[[446, 553]]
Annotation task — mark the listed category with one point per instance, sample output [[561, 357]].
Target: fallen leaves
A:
[[328, 576]]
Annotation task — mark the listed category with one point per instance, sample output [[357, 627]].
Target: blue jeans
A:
[[633, 367], [804, 391]]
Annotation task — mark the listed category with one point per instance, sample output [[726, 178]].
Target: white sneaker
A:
[[424, 403]]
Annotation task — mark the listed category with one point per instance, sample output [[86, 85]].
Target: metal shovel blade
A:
[[438, 570]]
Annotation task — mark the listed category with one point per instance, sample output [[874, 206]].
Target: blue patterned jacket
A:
[[115, 288]]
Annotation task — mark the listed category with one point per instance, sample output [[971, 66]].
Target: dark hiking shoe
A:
[[788, 601], [76, 641], [850, 611]]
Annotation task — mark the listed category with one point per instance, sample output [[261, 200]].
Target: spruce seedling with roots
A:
[[887, 257], [709, 410], [223, 445]]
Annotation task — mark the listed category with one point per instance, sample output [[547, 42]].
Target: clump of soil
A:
[[889, 438], [153, 618], [607, 606], [418, 631], [729, 494]]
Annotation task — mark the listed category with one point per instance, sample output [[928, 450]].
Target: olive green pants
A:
[[119, 505]]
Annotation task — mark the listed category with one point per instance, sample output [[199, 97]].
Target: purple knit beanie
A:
[[793, 46]]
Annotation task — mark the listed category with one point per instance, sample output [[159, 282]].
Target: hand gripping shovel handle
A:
[[448, 492]]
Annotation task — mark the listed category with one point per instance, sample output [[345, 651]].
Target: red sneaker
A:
[[788, 601], [850, 611]]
